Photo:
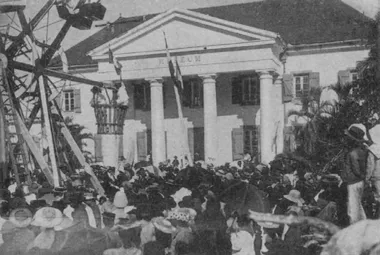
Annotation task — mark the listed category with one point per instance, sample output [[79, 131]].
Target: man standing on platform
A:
[[354, 172]]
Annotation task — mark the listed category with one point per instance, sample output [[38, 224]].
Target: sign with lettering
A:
[[189, 59]]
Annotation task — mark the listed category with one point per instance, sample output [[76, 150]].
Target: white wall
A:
[[327, 64]]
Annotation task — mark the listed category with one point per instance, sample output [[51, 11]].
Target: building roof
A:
[[297, 22]]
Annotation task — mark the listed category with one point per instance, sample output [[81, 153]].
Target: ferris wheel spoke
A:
[[12, 49]]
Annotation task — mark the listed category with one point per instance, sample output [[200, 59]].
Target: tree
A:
[[80, 137]]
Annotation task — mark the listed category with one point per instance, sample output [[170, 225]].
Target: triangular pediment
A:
[[184, 30]]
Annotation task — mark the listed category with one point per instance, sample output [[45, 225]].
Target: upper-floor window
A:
[[353, 76], [301, 85], [193, 93], [68, 102], [246, 90], [142, 96]]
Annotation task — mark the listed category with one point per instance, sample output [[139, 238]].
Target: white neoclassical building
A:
[[244, 66]]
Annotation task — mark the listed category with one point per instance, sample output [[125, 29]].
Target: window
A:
[[246, 90], [251, 140], [301, 84], [142, 96], [353, 76], [251, 90], [69, 101], [193, 93]]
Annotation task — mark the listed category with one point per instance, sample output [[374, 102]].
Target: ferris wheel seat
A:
[[93, 11], [12, 5], [82, 23]]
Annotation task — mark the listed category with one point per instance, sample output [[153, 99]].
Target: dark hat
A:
[[187, 201], [355, 133], [109, 215]]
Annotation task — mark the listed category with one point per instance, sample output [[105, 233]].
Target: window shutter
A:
[[141, 145], [147, 96], [121, 146], [237, 143], [314, 80], [343, 77], [237, 91], [190, 135], [77, 104], [59, 100], [287, 86], [98, 148], [186, 97]]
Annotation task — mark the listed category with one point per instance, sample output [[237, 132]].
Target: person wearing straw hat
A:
[[16, 234], [373, 165], [180, 221], [46, 218], [354, 172]]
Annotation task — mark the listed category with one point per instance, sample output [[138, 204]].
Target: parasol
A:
[[242, 197]]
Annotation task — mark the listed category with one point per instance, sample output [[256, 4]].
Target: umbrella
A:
[[142, 164], [242, 197]]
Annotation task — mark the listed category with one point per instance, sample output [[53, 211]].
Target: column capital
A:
[[210, 77], [155, 82], [265, 75]]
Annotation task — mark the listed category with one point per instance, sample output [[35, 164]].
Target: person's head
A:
[[130, 237], [108, 219], [182, 248], [243, 221], [102, 200]]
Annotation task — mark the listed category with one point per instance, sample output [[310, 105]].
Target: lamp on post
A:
[[110, 113]]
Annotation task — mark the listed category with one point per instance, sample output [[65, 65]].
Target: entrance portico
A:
[[205, 47]]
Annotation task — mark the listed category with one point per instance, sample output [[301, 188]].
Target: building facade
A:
[[240, 79]]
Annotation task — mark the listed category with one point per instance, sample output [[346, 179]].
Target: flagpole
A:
[[184, 131]]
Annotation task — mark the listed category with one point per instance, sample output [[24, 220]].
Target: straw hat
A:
[[120, 200], [295, 196], [266, 224], [164, 225], [189, 211], [21, 217], [47, 217]]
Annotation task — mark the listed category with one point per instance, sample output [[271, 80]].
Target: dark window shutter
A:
[[98, 148], [147, 96], [137, 96], [237, 91], [121, 146], [186, 97], [190, 135], [343, 77], [141, 145], [77, 103], [314, 80], [237, 143], [287, 85]]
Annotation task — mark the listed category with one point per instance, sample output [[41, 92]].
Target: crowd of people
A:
[[199, 209]]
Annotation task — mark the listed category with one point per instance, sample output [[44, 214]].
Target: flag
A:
[[175, 72], [110, 56], [114, 61]]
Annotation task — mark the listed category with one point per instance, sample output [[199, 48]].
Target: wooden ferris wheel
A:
[[29, 88]]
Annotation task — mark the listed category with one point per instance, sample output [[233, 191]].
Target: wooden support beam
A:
[[78, 153], [35, 151], [61, 75]]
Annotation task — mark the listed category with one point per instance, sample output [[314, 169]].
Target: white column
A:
[[210, 117], [158, 125], [110, 150], [280, 115], [266, 117]]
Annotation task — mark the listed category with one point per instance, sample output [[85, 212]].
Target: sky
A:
[[132, 8]]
